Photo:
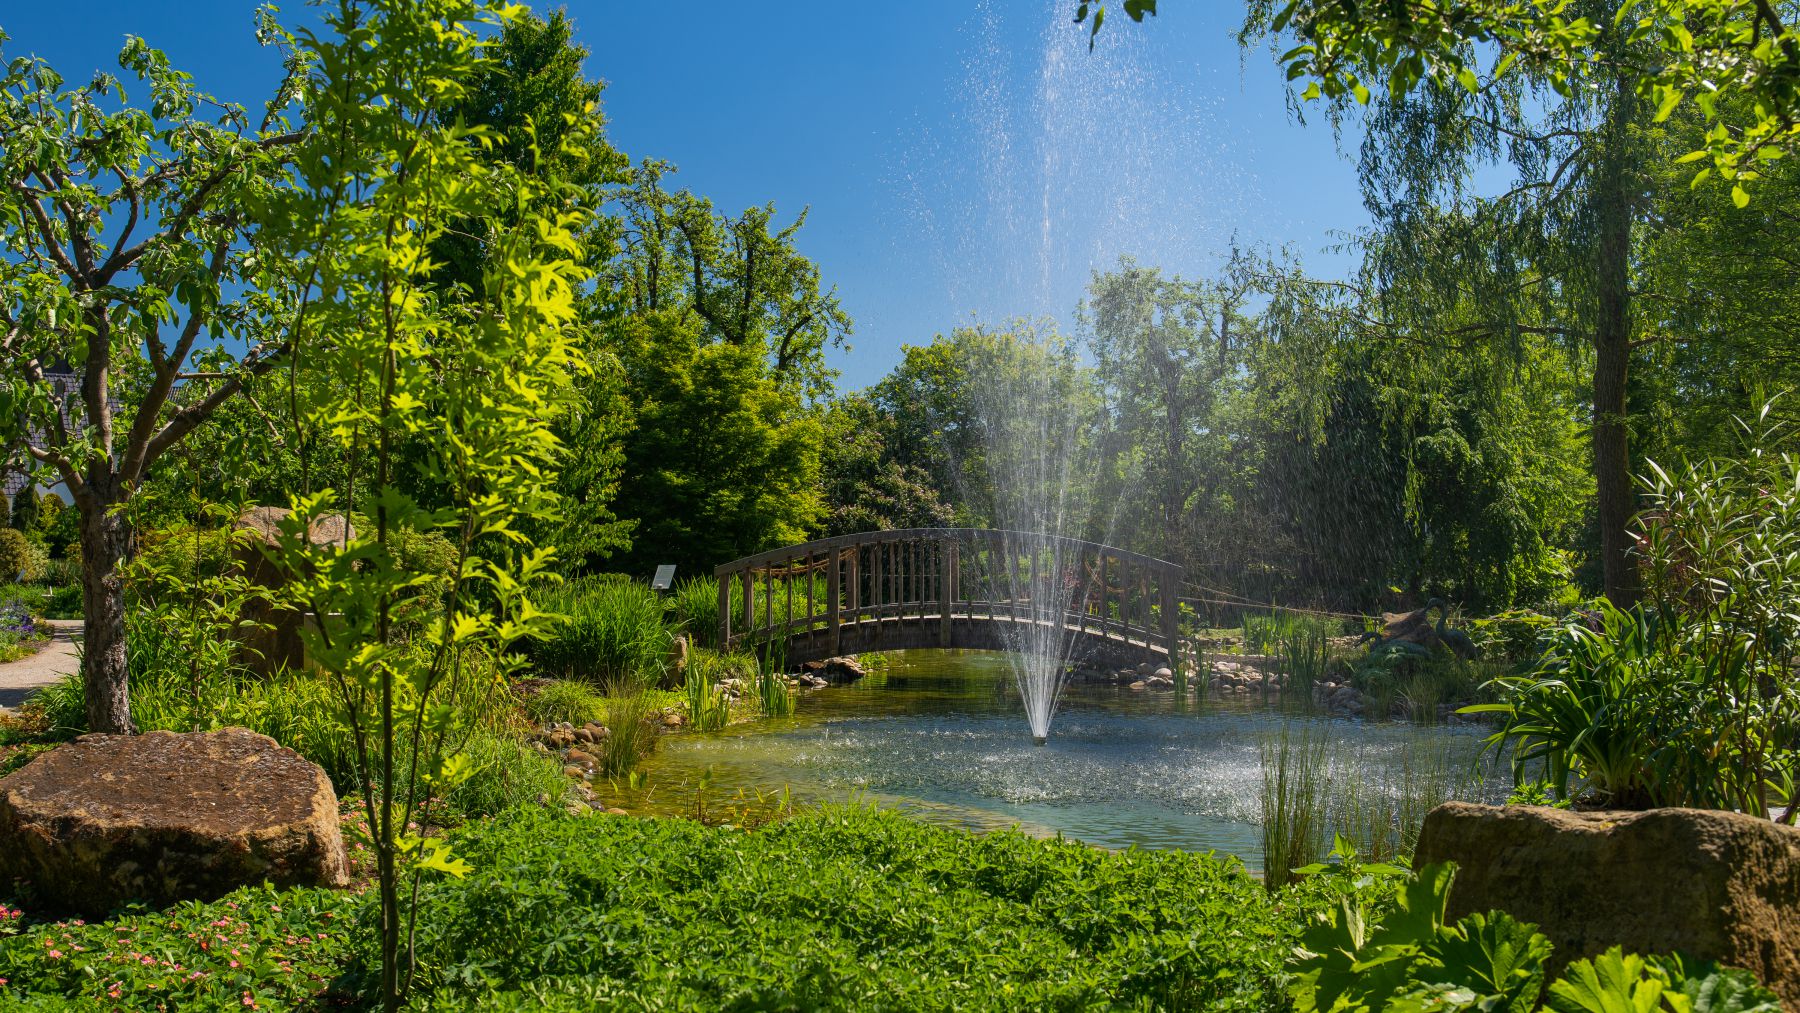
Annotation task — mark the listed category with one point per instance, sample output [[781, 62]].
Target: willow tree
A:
[[127, 259], [1562, 91]]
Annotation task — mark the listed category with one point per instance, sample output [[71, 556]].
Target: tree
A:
[[742, 277], [1168, 354], [128, 240], [719, 463], [865, 487], [472, 375], [1566, 100]]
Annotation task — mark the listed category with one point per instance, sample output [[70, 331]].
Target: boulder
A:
[[841, 669], [274, 640], [1718, 885], [163, 817]]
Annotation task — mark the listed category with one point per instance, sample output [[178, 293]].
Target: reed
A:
[[1296, 773], [708, 710], [631, 723]]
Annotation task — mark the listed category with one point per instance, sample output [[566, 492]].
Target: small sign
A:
[[664, 579]]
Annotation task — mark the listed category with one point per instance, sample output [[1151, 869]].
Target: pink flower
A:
[[56, 954], [249, 1001], [233, 963]]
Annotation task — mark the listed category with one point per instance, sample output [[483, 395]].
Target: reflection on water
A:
[[942, 734]]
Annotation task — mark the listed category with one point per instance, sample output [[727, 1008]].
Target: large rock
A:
[[1718, 885], [163, 816], [273, 641]]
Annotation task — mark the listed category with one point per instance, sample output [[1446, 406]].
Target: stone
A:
[[599, 731], [616, 811], [272, 641], [1138, 684], [841, 669], [673, 719], [1164, 672], [579, 756], [584, 735], [560, 739], [1718, 885], [571, 770], [163, 817]]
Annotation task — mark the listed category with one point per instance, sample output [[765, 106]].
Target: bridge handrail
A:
[[823, 545], [917, 575]]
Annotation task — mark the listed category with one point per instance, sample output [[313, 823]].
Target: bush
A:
[[507, 774], [64, 602], [612, 635], [15, 553], [574, 702], [634, 725], [585, 913]]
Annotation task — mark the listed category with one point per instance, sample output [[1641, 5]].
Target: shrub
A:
[[574, 702], [14, 553], [506, 774], [64, 603], [611, 634], [585, 913]]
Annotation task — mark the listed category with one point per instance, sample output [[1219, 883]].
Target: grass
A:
[[574, 702], [1296, 772], [612, 635], [633, 723], [708, 709]]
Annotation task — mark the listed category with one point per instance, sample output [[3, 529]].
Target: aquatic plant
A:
[[563, 700], [1296, 769]]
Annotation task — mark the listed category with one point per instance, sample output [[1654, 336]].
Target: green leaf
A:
[[1361, 92], [1471, 84], [1739, 195]]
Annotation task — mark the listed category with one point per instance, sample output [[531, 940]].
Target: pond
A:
[[942, 735]]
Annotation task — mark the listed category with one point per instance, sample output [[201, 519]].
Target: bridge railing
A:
[[947, 576]]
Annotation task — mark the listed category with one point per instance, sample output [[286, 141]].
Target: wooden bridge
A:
[[952, 587]]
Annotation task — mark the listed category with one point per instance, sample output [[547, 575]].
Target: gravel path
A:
[[18, 679]]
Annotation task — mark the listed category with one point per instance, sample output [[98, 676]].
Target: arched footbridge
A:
[[968, 588]]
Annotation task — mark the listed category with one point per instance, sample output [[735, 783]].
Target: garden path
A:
[[19, 679]]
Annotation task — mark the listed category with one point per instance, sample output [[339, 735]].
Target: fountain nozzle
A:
[[1040, 740]]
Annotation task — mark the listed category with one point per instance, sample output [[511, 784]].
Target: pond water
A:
[[942, 735]]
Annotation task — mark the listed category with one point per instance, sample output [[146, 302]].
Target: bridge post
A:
[[834, 562], [946, 577], [725, 613], [1171, 616]]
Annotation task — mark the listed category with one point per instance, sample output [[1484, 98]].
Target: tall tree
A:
[[129, 254], [742, 277]]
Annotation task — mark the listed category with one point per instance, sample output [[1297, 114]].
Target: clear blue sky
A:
[[962, 160]]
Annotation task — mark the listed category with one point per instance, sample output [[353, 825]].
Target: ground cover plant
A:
[[574, 913]]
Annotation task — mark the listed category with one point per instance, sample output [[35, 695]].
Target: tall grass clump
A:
[[632, 722], [1264, 633], [694, 610], [1379, 798], [1303, 654], [574, 702], [611, 634], [1296, 773]]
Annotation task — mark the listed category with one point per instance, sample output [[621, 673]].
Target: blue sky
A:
[[962, 160]]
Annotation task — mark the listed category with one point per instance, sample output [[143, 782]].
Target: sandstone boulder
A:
[[1717, 885], [162, 817], [841, 669], [274, 642]]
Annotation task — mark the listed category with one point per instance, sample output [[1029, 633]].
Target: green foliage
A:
[[722, 461], [1685, 699], [563, 700], [883, 918], [15, 554], [708, 707], [609, 633], [694, 610], [1516, 634], [258, 945], [634, 724], [1406, 956]]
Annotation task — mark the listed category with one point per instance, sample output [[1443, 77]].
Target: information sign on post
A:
[[664, 579]]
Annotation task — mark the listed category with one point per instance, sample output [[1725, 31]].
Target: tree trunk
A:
[[1612, 353], [105, 541]]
